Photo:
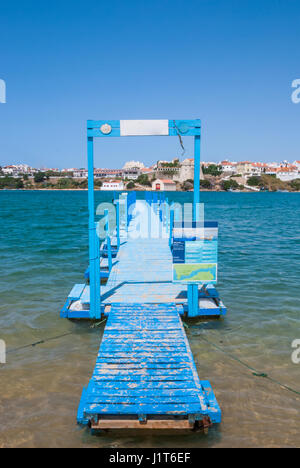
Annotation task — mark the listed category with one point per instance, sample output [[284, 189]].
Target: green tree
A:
[[295, 185], [39, 177], [254, 181], [7, 182], [205, 184], [19, 184], [188, 184], [230, 184], [212, 169], [143, 180], [98, 183], [130, 185]]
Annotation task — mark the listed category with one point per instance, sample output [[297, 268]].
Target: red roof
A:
[[167, 181], [258, 164]]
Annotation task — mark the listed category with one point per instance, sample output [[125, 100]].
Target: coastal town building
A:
[[131, 173], [15, 170], [147, 170], [164, 173], [70, 170], [113, 185], [168, 168], [244, 168], [228, 166], [133, 165], [186, 171], [164, 184], [297, 164], [258, 168], [286, 174], [176, 170], [108, 173], [80, 173]]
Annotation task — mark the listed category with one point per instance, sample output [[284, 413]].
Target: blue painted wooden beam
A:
[[98, 128]]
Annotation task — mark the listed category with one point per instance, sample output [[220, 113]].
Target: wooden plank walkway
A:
[[145, 372], [142, 273]]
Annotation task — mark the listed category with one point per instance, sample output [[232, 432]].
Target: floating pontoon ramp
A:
[[145, 375]]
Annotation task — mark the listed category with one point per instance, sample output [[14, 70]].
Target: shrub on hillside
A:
[[205, 184], [230, 185], [212, 169], [254, 181]]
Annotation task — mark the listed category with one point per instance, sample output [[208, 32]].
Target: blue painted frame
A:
[[176, 128]]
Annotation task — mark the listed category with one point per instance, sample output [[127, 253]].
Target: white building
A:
[[259, 168], [286, 174], [131, 173], [108, 173], [8, 170], [133, 165], [80, 173], [164, 184], [227, 166], [113, 185], [17, 170], [297, 164]]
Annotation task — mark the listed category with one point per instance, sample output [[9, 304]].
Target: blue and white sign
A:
[[195, 253]]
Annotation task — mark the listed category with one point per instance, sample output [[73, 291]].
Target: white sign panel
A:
[[144, 127]]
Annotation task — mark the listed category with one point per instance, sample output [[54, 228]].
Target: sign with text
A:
[[195, 252]]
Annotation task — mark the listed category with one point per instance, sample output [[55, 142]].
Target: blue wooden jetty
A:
[[145, 375]]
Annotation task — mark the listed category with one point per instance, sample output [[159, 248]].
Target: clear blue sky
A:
[[230, 63]]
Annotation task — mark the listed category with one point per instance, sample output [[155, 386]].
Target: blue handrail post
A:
[[118, 223], [166, 212], [97, 276], [171, 226], [106, 214], [149, 212], [190, 300]]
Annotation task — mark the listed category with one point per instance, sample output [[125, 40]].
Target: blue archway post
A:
[[196, 208], [93, 240], [193, 301]]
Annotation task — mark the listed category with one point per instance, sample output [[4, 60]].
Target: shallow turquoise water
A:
[[43, 252]]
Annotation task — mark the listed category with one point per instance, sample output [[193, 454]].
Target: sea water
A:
[[44, 251]]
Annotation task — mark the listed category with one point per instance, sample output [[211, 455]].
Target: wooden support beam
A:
[[135, 424]]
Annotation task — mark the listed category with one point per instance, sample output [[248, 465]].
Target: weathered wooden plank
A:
[[76, 292], [140, 399], [143, 392], [135, 424], [187, 385], [161, 408], [134, 383]]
